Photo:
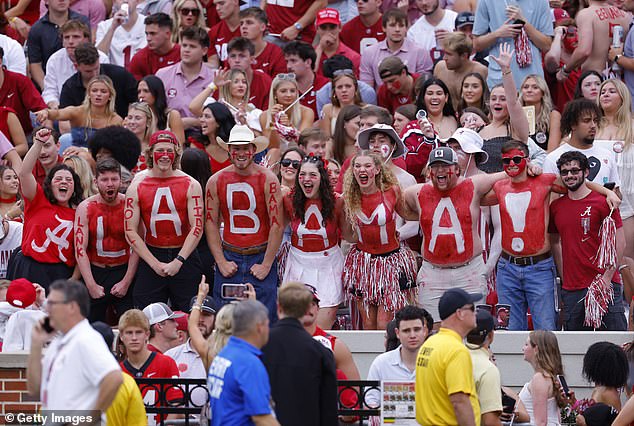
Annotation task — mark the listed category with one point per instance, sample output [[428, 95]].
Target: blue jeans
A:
[[531, 286], [265, 290], [575, 313]]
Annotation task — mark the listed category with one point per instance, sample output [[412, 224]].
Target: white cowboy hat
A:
[[470, 142], [242, 135], [364, 138]]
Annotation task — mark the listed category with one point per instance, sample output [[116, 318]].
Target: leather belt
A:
[[527, 260], [245, 251]]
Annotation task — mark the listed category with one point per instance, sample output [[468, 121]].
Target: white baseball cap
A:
[[158, 312], [470, 141]]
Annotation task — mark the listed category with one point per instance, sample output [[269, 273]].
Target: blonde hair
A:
[[225, 91], [223, 329], [176, 18], [84, 171], [294, 113], [384, 180], [623, 118], [548, 358], [542, 121], [111, 101], [150, 125], [133, 318]]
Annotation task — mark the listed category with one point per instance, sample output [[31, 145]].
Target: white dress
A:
[[554, 418]]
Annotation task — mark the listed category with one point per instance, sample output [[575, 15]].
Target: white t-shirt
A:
[[601, 161], [422, 32], [14, 58], [73, 367], [124, 44], [10, 242]]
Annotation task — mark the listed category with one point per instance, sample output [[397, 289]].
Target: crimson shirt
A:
[[259, 89], [578, 223], [220, 35], [310, 100], [19, 93], [284, 16], [345, 51], [147, 62], [355, 34], [4, 126], [47, 236], [271, 60]]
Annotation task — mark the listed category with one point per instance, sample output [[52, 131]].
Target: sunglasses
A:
[[517, 159], [294, 163], [346, 71], [289, 76], [569, 172], [187, 11]]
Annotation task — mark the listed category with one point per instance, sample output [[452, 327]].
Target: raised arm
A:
[[552, 59], [518, 119], [584, 48], [28, 184], [196, 339]]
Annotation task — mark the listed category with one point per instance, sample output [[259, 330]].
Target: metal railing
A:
[[354, 392]]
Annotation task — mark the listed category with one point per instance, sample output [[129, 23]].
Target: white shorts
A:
[[321, 269], [434, 281]]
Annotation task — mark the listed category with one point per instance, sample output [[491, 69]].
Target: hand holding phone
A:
[[564, 384], [233, 291]]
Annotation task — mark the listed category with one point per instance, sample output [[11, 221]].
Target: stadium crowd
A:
[[396, 158]]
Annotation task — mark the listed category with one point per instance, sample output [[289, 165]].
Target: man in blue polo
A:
[[239, 389]]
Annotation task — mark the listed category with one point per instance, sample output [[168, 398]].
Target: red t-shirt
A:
[[271, 60], [355, 34], [40, 173], [157, 366], [376, 222], [417, 150], [244, 209], [285, 13], [147, 62], [4, 126], [446, 222], [390, 101], [220, 35], [19, 94], [578, 223], [345, 51], [310, 100], [211, 14], [310, 235], [107, 244], [259, 90], [523, 213], [47, 236], [163, 206]]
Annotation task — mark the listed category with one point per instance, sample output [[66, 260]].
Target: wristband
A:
[[180, 258], [506, 72], [212, 86], [623, 267], [616, 59]]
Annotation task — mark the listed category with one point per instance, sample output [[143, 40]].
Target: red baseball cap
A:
[[181, 319], [21, 293], [560, 15], [163, 136], [327, 16]]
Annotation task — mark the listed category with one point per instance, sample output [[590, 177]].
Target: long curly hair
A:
[[384, 180], [326, 194], [77, 196], [542, 121], [548, 358]]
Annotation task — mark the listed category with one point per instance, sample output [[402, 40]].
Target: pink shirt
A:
[[95, 10], [416, 59], [180, 92]]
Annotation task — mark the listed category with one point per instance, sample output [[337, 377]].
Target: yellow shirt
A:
[[127, 409], [487, 379], [443, 368]]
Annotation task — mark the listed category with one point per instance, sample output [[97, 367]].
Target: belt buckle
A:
[[523, 261]]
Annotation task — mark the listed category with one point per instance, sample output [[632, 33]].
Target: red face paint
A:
[[396, 85], [514, 169], [156, 156]]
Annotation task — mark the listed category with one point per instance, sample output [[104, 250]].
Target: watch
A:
[[616, 59], [298, 26]]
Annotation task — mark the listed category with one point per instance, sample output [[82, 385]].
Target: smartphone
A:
[[519, 22], [125, 8], [508, 403], [233, 291], [46, 325], [609, 185], [563, 383]]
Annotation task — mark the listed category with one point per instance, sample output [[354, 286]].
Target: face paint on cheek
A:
[[158, 155], [386, 151], [432, 174], [396, 85]]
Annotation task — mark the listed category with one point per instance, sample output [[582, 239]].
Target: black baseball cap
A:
[[208, 305], [485, 324], [454, 299], [464, 18], [444, 154]]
